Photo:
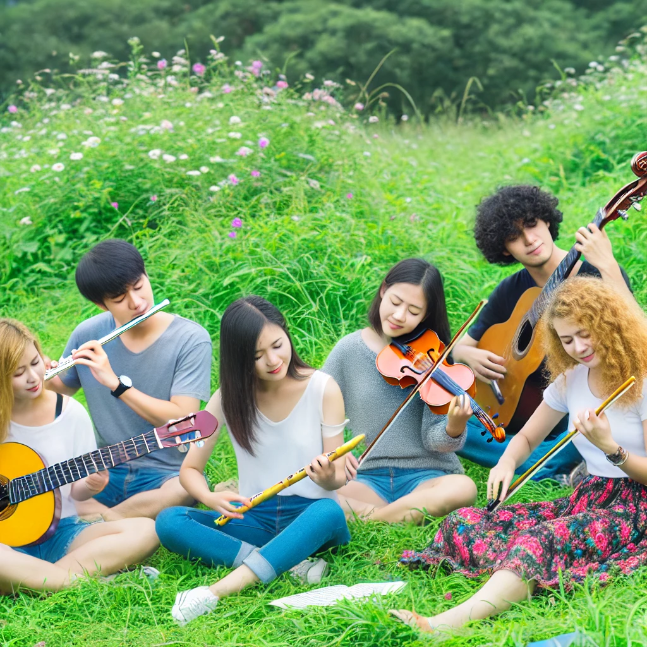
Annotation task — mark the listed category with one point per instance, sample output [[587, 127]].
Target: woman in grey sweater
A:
[[413, 468]]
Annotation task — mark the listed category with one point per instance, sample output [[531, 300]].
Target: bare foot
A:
[[412, 619], [227, 486]]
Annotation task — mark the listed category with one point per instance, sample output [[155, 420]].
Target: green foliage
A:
[[337, 202], [511, 46]]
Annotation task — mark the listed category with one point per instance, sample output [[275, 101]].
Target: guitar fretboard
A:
[[561, 272], [74, 469]]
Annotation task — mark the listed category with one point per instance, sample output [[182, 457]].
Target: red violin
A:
[[408, 363]]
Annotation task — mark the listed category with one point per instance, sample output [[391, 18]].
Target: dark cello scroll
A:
[[405, 363], [516, 339], [424, 378]]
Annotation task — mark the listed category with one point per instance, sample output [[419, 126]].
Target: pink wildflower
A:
[[359, 106], [256, 174], [256, 67], [199, 69], [349, 196], [233, 179], [281, 85], [448, 595], [161, 64], [12, 109], [263, 142], [226, 88], [153, 198], [236, 223], [115, 205], [232, 234]]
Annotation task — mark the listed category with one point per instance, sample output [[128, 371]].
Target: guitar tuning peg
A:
[[623, 214], [489, 440], [483, 433], [200, 443], [636, 205], [183, 449], [495, 416]]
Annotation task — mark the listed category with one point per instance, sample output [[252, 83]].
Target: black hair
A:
[[417, 271], [108, 270], [240, 328], [502, 216]]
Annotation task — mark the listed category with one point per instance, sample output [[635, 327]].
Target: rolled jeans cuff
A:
[[245, 550], [260, 566]]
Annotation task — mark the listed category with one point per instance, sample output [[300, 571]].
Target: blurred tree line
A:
[[510, 46]]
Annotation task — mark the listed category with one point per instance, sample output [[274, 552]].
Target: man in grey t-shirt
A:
[[157, 371]]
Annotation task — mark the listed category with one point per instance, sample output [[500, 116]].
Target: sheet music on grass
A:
[[330, 595]]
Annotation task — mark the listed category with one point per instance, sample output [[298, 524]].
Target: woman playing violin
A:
[[413, 469], [595, 338]]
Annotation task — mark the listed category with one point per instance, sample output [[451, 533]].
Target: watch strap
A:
[[120, 389]]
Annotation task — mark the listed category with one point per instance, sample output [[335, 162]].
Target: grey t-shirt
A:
[[177, 363], [417, 439]]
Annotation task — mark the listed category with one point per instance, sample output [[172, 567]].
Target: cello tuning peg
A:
[[623, 214]]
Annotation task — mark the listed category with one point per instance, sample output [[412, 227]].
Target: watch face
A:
[[125, 380]]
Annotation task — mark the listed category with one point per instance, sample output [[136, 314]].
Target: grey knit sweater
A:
[[417, 439]]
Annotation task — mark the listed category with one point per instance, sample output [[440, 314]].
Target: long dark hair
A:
[[240, 328], [417, 271]]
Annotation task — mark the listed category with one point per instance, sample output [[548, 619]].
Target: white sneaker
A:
[[191, 604], [309, 572]]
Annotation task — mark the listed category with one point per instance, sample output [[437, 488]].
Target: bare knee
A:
[[136, 531]]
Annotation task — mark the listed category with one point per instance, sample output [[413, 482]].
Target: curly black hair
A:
[[501, 217]]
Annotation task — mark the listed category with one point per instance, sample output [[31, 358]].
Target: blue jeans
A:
[[271, 539], [392, 483], [58, 545], [128, 479], [479, 451]]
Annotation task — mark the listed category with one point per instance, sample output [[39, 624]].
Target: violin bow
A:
[[443, 356], [493, 504]]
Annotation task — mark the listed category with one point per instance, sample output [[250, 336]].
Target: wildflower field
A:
[[232, 180]]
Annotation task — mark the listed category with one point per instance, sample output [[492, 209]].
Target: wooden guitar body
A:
[[500, 339], [35, 520]]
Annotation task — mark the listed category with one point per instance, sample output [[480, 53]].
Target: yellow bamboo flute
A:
[[493, 504], [291, 480]]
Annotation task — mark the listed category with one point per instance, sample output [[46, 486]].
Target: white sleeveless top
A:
[[284, 447]]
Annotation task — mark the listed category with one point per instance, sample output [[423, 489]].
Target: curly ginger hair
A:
[[618, 329]]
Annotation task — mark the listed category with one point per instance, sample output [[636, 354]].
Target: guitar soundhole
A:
[[524, 339], [6, 509]]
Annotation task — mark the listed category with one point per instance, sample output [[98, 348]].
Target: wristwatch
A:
[[124, 384], [619, 457]]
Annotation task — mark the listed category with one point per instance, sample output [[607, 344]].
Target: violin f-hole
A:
[[410, 368]]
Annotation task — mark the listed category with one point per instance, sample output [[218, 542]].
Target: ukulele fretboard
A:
[[74, 469]]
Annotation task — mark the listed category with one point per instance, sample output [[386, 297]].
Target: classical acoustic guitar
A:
[[29, 497], [516, 339]]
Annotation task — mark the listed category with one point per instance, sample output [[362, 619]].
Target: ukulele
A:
[[516, 341], [30, 503]]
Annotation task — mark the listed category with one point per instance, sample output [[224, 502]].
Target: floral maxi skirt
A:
[[599, 530]]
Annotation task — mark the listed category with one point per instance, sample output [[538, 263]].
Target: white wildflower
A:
[[193, 172], [98, 54], [26, 221], [117, 102], [155, 153], [35, 168], [373, 119], [58, 167], [166, 124], [234, 120], [91, 142], [168, 158], [76, 156], [204, 169], [214, 188], [61, 136], [216, 159], [184, 156], [235, 135]]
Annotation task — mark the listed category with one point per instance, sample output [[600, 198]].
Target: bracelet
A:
[[619, 457]]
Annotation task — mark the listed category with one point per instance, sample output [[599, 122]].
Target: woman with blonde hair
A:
[[595, 339], [58, 428]]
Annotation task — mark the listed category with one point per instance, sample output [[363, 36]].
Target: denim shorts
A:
[[128, 479], [57, 546], [392, 483]]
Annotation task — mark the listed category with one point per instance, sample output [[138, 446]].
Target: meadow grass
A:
[[336, 201]]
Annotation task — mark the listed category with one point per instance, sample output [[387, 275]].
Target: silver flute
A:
[[67, 362]]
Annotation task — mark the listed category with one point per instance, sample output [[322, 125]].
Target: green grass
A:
[[319, 255]]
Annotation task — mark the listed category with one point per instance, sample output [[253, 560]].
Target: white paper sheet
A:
[[330, 595]]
